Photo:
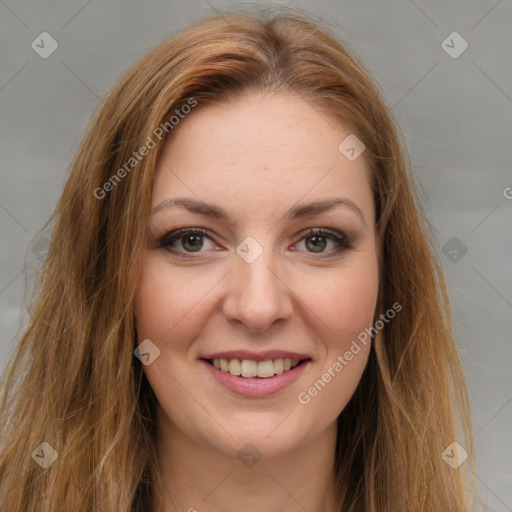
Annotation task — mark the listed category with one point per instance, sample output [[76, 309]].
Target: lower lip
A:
[[255, 387]]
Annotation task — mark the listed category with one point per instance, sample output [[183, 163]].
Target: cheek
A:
[[168, 301], [354, 298], [342, 300], [344, 308]]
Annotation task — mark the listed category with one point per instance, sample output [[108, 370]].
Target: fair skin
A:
[[255, 158]]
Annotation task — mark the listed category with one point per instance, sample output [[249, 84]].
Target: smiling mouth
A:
[[246, 368]]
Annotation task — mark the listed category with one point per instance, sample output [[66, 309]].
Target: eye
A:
[[192, 241], [316, 240]]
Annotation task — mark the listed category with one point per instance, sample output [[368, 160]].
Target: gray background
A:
[[455, 114]]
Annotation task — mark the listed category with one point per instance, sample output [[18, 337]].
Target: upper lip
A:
[[256, 356]]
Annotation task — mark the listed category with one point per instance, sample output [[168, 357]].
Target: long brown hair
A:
[[73, 381]]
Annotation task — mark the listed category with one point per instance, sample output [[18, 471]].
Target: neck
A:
[[202, 479]]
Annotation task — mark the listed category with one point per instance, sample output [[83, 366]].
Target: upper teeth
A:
[[248, 368]]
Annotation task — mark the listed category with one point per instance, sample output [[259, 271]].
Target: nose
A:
[[257, 296]]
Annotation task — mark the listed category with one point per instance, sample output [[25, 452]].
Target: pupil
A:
[[188, 238], [316, 243]]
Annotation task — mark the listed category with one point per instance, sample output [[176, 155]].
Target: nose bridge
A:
[[257, 296]]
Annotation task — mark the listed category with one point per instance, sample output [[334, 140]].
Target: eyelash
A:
[[166, 241]]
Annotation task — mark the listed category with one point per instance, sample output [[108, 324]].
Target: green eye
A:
[[318, 241]]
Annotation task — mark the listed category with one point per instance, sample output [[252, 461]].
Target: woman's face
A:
[[258, 285]]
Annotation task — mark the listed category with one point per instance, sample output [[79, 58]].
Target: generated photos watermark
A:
[[158, 132], [363, 337]]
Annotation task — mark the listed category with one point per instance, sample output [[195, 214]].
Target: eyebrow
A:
[[296, 212]]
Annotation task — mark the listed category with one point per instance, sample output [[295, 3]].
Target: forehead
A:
[[259, 151]]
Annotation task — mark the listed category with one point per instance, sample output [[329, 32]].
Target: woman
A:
[[240, 307]]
